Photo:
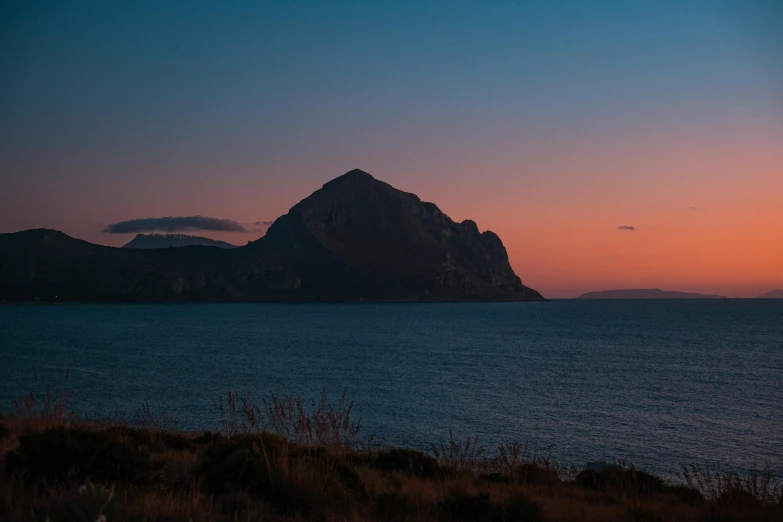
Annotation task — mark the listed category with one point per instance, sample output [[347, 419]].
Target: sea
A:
[[656, 384]]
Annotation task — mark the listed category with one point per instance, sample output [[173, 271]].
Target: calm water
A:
[[659, 383]]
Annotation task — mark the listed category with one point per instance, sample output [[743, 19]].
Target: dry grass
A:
[[51, 408], [284, 459], [320, 424], [754, 486]]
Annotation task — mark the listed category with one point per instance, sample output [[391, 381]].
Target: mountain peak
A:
[[350, 178], [387, 244], [356, 173]]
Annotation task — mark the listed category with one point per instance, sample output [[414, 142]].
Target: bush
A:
[[738, 498], [393, 507], [89, 503], [527, 473], [159, 440], [638, 514], [523, 509], [686, 495], [290, 478], [4, 433], [235, 464], [752, 487], [530, 473], [626, 480], [291, 496], [253, 462], [236, 505], [351, 480], [407, 461], [62, 456], [468, 508]]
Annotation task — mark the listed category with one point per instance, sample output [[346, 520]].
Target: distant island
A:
[[773, 294], [173, 241], [647, 293], [354, 239]]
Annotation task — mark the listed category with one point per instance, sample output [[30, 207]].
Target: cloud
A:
[[627, 227], [174, 224], [263, 223]]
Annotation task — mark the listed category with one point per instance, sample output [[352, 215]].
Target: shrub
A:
[[294, 495], [456, 454], [235, 464], [89, 503], [739, 498], [516, 463], [638, 514], [465, 508], [755, 486], [625, 480], [393, 507], [62, 455], [4, 432], [459, 508], [528, 473], [351, 480], [523, 509], [236, 505], [290, 478], [686, 495], [407, 461], [362, 459], [158, 439]]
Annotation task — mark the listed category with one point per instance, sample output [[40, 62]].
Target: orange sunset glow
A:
[[677, 137]]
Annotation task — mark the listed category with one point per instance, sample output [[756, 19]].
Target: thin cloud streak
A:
[[627, 228], [174, 224]]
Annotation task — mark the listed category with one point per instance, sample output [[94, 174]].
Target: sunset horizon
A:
[[609, 147], [702, 271]]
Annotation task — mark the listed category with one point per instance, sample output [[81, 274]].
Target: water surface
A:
[[658, 383]]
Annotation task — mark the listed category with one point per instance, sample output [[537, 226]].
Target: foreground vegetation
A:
[[279, 459]]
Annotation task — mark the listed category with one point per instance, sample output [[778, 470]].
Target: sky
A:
[[609, 144]]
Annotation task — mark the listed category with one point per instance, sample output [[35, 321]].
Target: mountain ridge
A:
[[354, 239], [173, 241], [646, 293]]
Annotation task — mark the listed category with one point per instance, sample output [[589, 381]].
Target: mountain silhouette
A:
[[173, 241], [647, 293], [355, 239], [772, 294]]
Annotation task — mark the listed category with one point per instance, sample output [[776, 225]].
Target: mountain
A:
[[646, 293], [173, 240], [773, 294], [355, 239]]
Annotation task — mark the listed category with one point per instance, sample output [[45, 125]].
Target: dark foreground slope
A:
[[355, 239]]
